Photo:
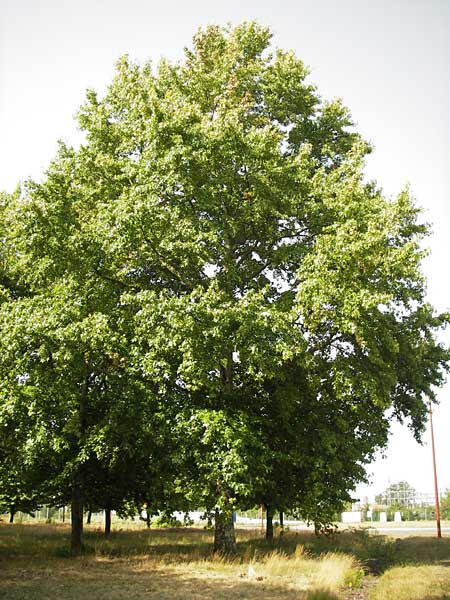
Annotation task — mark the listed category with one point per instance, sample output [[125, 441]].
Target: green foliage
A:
[[397, 496], [166, 520], [206, 304], [444, 503]]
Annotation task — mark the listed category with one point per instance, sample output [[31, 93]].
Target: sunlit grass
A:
[[179, 564], [159, 564], [337, 570], [428, 582]]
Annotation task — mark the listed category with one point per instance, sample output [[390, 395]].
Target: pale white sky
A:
[[388, 59]]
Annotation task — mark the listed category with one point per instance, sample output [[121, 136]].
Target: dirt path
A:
[[363, 592]]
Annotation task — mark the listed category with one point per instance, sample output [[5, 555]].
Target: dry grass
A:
[[114, 580], [157, 565], [428, 582], [179, 565]]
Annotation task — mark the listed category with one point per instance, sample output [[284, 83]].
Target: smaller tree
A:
[[445, 504], [397, 495], [19, 482]]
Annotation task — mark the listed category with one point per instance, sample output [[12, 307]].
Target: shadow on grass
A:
[[116, 580], [422, 550], [375, 552], [54, 540], [359, 543]]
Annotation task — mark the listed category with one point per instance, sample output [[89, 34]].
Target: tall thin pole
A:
[[436, 493]]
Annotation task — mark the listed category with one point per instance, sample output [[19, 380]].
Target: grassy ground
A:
[[419, 571], [178, 564]]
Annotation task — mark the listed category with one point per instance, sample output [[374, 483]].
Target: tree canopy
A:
[[210, 273], [400, 494]]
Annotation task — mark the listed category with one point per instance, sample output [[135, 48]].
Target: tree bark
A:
[[11, 516], [147, 519], [224, 536], [77, 504], [107, 521], [76, 545], [269, 523], [281, 520], [89, 517]]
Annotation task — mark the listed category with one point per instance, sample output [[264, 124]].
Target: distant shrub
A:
[[166, 520]]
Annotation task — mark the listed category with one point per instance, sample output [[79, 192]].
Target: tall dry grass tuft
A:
[[334, 571], [300, 551], [323, 577], [277, 564]]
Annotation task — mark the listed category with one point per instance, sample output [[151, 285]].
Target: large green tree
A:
[[235, 198], [259, 280]]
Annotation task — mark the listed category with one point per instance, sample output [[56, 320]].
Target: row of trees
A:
[[205, 304]]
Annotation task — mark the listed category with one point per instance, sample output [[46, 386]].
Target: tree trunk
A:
[[89, 517], [77, 504], [11, 516], [147, 519], [76, 543], [107, 521], [269, 523], [224, 536], [281, 520]]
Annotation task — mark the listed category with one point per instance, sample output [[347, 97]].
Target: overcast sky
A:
[[388, 59]]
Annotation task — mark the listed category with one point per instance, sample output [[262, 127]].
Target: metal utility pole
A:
[[436, 492]]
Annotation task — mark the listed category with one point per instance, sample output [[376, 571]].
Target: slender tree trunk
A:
[[269, 523], [147, 519], [107, 521], [77, 505], [281, 520], [11, 516], [76, 519], [224, 536], [89, 517], [64, 514]]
